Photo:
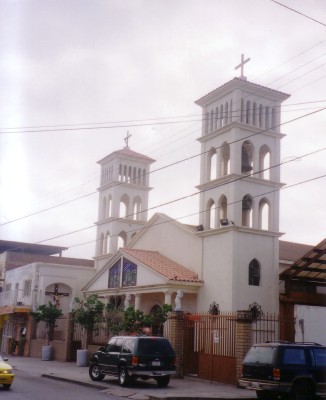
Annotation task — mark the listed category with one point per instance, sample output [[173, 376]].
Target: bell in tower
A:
[[245, 164]]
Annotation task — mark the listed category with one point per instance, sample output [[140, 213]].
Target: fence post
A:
[[69, 334], [243, 337], [175, 335]]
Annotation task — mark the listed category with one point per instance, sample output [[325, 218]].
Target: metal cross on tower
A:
[[241, 65], [126, 139]]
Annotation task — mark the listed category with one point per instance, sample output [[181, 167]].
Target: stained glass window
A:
[[114, 275], [129, 274]]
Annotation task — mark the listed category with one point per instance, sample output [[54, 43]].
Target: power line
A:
[[298, 12], [190, 195], [164, 167]]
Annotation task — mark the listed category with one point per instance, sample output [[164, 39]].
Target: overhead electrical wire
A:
[[164, 167]]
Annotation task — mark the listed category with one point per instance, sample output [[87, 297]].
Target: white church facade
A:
[[231, 258]]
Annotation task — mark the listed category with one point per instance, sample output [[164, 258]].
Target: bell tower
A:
[[239, 194], [123, 200]]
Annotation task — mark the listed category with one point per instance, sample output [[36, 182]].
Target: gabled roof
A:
[[163, 265], [126, 152], [311, 267], [238, 82]]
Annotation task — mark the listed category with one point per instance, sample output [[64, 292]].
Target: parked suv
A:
[[274, 369], [132, 357]]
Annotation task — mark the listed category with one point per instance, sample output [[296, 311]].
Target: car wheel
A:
[[163, 380], [95, 373], [6, 386], [124, 378], [303, 390]]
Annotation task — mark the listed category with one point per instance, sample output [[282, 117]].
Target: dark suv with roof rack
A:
[[132, 357], [280, 369]]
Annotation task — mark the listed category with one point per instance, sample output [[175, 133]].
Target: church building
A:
[[231, 258]]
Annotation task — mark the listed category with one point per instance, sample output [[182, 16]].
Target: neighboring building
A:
[[33, 275]]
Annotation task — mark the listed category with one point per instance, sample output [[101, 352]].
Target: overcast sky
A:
[[138, 66]]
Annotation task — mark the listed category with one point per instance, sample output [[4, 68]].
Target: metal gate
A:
[[210, 343]]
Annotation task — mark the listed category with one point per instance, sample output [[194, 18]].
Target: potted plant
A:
[[48, 313], [88, 314]]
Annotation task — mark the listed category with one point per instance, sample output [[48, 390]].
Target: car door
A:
[[114, 356], [105, 355], [318, 356]]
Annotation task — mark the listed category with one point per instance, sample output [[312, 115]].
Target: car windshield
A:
[[155, 346], [260, 355]]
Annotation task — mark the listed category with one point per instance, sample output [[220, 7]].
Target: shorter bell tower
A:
[[123, 200]]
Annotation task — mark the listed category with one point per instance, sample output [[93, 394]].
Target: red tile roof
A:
[[163, 265], [130, 153]]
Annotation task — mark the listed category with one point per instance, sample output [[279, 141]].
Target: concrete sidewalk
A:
[[188, 388]]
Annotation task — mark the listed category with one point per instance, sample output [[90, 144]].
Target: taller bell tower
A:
[[239, 194], [123, 200]]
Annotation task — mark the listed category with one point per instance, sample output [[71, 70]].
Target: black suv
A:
[[281, 369], [132, 357]]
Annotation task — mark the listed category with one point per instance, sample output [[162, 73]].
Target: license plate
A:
[[156, 363], [254, 385]]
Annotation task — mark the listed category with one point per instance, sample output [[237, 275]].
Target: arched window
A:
[[144, 177], [120, 173], [231, 112], [104, 207], [125, 174], [247, 210], [122, 239], [101, 243], [124, 205], [225, 159], [273, 119], [226, 113], [264, 214], [267, 117], [134, 175], [139, 176], [212, 121], [106, 245], [254, 273], [264, 162], [216, 117], [246, 157], [211, 164], [261, 116], [129, 174], [248, 112], [223, 207], [206, 121], [242, 111], [211, 213], [137, 208], [221, 115], [109, 207], [254, 114]]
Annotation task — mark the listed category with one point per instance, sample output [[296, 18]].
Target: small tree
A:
[[88, 314], [48, 313]]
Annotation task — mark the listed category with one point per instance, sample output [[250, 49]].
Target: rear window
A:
[[294, 356], [319, 357], [155, 346], [260, 355]]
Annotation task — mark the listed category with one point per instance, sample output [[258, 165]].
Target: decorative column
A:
[[137, 301], [167, 297]]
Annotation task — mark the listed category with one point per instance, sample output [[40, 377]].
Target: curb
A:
[[150, 397]]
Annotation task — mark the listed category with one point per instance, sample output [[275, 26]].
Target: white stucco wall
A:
[[310, 324], [173, 241]]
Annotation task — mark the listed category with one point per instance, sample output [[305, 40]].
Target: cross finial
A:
[[243, 62], [126, 139]]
